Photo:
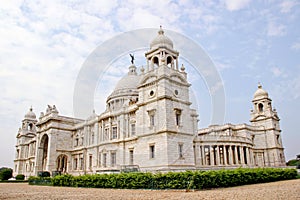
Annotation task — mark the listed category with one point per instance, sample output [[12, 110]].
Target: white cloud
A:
[[276, 71], [233, 5], [274, 29], [296, 46], [286, 6]]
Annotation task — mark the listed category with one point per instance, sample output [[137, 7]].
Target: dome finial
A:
[[161, 31], [259, 85]]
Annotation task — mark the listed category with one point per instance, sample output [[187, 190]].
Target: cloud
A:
[[274, 29], [276, 71], [296, 46], [234, 5], [286, 6]]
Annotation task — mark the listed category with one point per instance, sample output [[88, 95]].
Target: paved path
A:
[[276, 190]]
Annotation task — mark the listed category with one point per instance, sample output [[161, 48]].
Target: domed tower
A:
[[268, 143], [165, 120], [161, 52], [26, 145]]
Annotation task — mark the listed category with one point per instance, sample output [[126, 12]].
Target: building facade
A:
[[149, 123]]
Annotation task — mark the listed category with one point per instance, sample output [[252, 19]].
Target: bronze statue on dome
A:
[[132, 58]]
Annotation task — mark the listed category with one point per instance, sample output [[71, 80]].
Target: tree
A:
[[293, 162], [20, 177], [5, 173]]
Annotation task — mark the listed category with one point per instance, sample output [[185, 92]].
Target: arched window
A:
[[44, 145], [260, 107], [61, 163], [30, 126], [155, 62], [169, 61]]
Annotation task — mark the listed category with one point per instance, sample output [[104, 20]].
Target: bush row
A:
[[177, 180]]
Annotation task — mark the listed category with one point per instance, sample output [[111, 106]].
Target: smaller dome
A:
[[161, 41], [92, 116], [260, 93], [30, 114]]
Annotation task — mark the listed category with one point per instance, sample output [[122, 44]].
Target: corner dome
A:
[[161, 41], [260, 93], [30, 114]]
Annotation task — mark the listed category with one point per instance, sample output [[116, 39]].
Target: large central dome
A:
[[130, 81], [125, 90]]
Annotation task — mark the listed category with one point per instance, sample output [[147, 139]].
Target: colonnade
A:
[[224, 155]]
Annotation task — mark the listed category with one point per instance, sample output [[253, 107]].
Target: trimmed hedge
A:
[[177, 180], [33, 180], [20, 177]]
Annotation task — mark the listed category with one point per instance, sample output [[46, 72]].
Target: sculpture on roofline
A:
[[132, 58]]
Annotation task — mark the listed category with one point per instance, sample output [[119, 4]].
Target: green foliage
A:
[[177, 180], [20, 177], [5, 173], [33, 180], [293, 162]]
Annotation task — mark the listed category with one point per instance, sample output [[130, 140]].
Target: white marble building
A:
[[148, 122]]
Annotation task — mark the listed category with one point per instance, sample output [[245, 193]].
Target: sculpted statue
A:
[[132, 58]]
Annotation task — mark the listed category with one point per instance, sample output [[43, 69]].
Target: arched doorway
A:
[[61, 163], [44, 145]]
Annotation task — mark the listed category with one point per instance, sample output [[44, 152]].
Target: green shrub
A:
[[34, 180], [20, 177], [293, 162], [5, 173], [177, 180]]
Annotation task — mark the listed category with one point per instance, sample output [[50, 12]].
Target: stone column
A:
[[197, 156], [203, 155], [218, 156], [236, 155], [251, 157], [212, 155], [230, 155], [242, 155], [147, 69], [225, 154], [248, 156]]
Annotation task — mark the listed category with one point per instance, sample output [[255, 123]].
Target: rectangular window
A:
[[132, 129], [152, 151], [92, 138], [180, 150], [81, 163], [152, 122], [99, 160], [105, 134], [114, 132], [104, 160], [177, 117], [113, 159], [90, 161], [131, 157], [75, 163]]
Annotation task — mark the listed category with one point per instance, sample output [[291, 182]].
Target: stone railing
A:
[[222, 139]]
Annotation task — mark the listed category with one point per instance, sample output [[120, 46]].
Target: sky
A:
[[44, 44]]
